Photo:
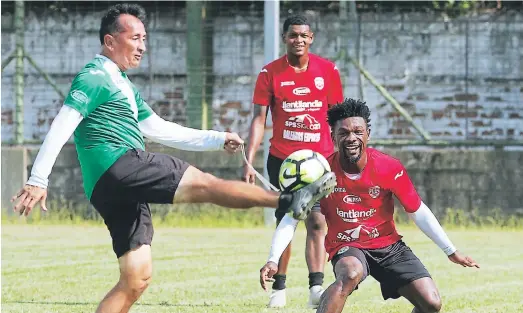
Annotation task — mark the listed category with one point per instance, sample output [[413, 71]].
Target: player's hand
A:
[[28, 197], [463, 260], [248, 175], [266, 273], [232, 142]]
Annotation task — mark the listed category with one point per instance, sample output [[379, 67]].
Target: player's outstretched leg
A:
[[198, 187], [135, 276], [423, 294], [315, 254], [349, 273]]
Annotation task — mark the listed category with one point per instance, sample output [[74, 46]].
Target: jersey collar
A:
[[110, 62]]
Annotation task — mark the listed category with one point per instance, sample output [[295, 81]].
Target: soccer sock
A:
[[279, 282], [315, 278]]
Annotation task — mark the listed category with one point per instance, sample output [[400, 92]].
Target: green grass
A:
[[208, 215], [49, 268]]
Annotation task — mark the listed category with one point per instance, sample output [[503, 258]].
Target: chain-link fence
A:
[[458, 77]]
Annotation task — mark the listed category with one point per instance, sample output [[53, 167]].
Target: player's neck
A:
[[298, 63], [108, 55], [354, 168]]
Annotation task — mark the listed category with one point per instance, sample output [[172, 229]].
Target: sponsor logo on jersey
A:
[[351, 199], [319, 83], [339, 189], [299, 106], [398, 175], [374, 192], [304, 121], [301, 91], [301, 136], [352, 216], [287, 83], [79, 96], [263, 70], [354, 234]]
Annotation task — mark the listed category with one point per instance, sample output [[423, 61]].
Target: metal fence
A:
[[458, 78]]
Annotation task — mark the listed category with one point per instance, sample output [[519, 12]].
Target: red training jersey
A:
[[299, 104], [359, 213]]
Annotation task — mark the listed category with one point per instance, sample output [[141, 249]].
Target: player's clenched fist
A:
[[266, 273], [232, 142]]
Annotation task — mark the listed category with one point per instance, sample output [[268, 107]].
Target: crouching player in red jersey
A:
[[362, 239]]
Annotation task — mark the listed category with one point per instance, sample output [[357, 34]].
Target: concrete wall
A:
[[461, 179], [459, 79]]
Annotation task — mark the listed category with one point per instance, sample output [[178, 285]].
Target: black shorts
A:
[[393, 266], [273, 169], [123, 193]]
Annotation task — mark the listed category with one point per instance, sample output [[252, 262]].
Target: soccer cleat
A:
[[314, 296], [304, 198], [277, 299]]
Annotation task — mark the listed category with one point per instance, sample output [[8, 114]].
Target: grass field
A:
[[69, 269]]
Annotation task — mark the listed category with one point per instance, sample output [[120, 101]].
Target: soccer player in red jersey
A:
[[362, 239], [298, 88]]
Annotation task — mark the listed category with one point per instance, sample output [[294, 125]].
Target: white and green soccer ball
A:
[[302, 168]]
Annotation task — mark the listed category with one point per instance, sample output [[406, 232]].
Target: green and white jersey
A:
[[112, 107]]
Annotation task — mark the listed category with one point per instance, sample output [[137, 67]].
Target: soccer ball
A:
[[302, 168]]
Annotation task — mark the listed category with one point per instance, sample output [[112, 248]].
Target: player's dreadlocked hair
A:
[[297, 19], [110, 23], [349, 108]]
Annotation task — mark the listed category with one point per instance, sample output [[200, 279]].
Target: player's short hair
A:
[[297, 19], [110, 23], [348, 108]]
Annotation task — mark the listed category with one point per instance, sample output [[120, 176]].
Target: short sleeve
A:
[[263, 92], [88, 90], [403, 188], [335, 95]]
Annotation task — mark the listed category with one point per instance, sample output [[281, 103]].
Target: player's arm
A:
[[256, 131], [423, 217], [176, 136], [35, 189], [62, 128], [184, 138], [282, 237], [280, 240], [261, 99], [83, 98]]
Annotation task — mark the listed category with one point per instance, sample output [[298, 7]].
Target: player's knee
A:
[[432, 305], [315, 224], [354, 276], [136, 278], [349, 281], [136, 285]]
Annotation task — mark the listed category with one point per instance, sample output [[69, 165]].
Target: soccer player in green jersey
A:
[[109, 119]]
